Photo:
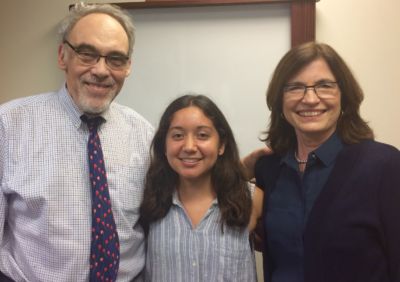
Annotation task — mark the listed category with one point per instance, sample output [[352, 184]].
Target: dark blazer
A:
[[353, 231]]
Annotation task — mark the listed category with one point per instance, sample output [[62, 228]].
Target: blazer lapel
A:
[[345, 163]]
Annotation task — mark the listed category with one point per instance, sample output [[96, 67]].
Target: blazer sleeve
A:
[[266, 171], [389, 203]]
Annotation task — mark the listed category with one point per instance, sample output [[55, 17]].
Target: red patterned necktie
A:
[[104, 250]]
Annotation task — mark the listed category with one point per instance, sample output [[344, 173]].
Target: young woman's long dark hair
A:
[[227, 176]]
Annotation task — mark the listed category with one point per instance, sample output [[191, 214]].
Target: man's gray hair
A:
[[79, 10]]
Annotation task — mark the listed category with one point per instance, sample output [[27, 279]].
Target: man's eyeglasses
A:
[[89, 58], [324, 90]]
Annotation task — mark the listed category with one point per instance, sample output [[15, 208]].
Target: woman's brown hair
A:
[[351, 128]]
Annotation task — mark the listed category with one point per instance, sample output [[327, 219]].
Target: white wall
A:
[[216, 51], [28, 55], [365, 32], [367, 35]]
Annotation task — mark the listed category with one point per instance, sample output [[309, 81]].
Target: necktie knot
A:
[[92, 122]]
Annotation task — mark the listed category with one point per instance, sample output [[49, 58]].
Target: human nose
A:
[[100, 68], [310, 97], [190, 144]]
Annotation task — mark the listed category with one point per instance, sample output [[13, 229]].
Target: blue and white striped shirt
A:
[[177, 252], [45, 202]]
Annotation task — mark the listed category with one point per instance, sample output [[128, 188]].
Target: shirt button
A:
[[194, 263]]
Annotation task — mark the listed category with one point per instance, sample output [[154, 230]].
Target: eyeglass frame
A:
[[314, 87], [99, 56]]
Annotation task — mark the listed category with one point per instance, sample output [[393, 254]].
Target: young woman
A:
[[197, 208]]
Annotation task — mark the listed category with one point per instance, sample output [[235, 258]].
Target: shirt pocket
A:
[[236, 260], [126, 183]]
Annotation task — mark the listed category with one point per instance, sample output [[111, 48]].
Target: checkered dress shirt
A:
[[45, 206]]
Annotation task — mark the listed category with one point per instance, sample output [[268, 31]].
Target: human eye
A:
[[117, 60], [326, 85], [87, 56], [176, 135], [326, 89], [294, 88], [202, 135]]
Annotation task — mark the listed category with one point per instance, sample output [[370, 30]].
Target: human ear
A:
[[61, 57], [129, 68], [221, 150]]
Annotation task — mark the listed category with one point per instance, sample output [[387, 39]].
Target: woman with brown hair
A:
[[332, 193]]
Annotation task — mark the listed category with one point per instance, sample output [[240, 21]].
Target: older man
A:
[[72, 163]]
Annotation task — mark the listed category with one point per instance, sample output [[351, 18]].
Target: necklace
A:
[[299, 161]]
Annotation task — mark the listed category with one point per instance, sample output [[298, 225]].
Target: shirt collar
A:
[[326, 153], [175, 199]]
